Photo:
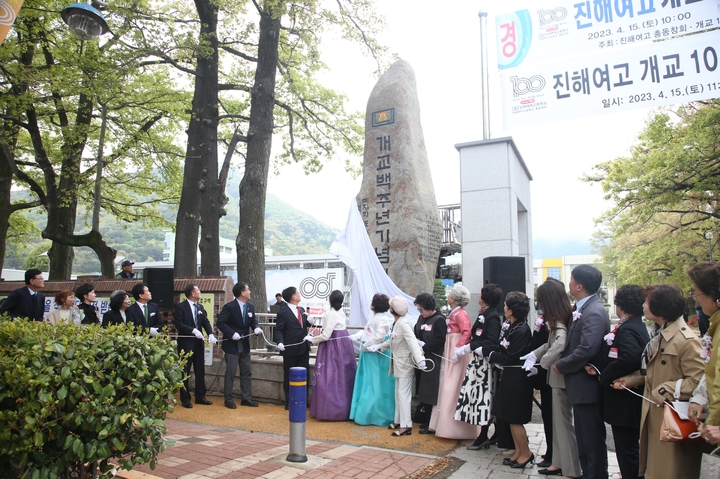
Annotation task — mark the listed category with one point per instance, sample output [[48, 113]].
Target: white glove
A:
[[197, 333], [533, 371], [257, 331], [281, 346], [308, 338], [212, 339], [357, 336], [462, 351], [153, 331], [236, 337], [479, 352], [373, 348], [422, 364], [311, 320], [530, 360], [455, 358], [421, 343]]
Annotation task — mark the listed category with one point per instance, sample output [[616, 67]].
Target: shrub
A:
[[73, 399]]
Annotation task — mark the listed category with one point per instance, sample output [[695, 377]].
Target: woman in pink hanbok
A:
[[453, 374]]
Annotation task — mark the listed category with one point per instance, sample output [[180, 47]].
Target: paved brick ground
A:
[[203, 451]]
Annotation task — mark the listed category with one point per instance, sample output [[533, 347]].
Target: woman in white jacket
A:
[[373, 395], [406, 355]]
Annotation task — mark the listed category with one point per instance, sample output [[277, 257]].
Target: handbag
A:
[[676, 427], [710, 466]]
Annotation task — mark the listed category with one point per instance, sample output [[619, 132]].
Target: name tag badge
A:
[[478, 332], [613, 353]]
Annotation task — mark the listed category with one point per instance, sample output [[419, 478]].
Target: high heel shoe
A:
[[476, 447], [519, 465], [509, 462]]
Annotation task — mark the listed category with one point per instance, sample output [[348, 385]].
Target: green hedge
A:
[[75, 399]]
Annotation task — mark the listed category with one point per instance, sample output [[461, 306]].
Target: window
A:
[[555, 273]]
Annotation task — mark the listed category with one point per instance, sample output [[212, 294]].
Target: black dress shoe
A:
[[545, 463], [203, 401], [249, 403], [287, 407], [187, 404], [548, 472], [426, 430], [521, 465], [477, 446], [230, 405]]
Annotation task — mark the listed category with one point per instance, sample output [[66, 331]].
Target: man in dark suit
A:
[[585, 335], [235, 321], [291, 327], [190, 319], [143, 313], [27, 302]]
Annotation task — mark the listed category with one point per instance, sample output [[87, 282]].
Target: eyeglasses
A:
[[693, 294], [39, 279]]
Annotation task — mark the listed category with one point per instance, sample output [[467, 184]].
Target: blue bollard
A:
[[298, 414]]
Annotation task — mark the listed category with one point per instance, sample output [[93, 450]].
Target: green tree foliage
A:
[[51, 88], [439, 294], [266, 85], [73, 395], [288, 231], [666, 197]]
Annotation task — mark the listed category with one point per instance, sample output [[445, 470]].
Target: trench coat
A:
[[678, 356]]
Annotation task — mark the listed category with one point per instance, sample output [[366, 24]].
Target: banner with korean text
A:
[[662, 73], [547, 32]]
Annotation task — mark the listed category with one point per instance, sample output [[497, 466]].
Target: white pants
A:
[[403, 399]]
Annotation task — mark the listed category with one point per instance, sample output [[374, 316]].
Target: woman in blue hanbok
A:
[[373, 401]]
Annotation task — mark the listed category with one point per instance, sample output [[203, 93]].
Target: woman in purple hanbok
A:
[[334, 367]]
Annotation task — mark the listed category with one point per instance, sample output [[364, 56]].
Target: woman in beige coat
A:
[[557, 312], [672, 354], [406, 356]]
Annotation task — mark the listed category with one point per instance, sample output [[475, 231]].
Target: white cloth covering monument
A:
[[397, 199]]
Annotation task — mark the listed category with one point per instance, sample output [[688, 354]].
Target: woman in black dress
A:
[[622, 350], [119, 302], [476, 394], [86, 294], [430, 331], [513, 401]]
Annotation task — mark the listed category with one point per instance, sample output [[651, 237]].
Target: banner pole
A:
[[484, 75]]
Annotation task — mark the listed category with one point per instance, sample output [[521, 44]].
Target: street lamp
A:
[[709, 237], [86, 21]]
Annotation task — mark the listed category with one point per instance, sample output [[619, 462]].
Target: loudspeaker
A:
[[161, 284], [508, 272]]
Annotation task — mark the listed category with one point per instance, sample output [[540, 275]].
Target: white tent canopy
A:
[[366, 275]]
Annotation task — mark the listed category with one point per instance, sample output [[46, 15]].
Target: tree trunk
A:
[[253, 186], [5, 205], [197, 201]]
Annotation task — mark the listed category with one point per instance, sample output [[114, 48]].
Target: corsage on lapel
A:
[[505, 343], [538, 324], [481, 319], [249, 315], [576, 315]]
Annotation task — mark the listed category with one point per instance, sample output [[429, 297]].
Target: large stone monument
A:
[[397, 198]]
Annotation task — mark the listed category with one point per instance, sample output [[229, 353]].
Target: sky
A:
[[443, 47]]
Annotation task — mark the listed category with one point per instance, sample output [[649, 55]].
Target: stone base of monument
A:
[[267, 379]]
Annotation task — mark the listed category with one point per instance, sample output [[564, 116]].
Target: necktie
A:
[[195, 313], [299, 317], [145, 306], [242, 307]]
